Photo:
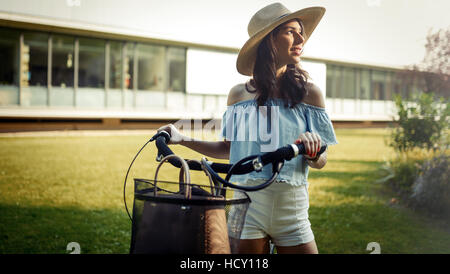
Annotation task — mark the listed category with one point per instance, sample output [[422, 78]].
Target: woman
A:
[[297, 114]]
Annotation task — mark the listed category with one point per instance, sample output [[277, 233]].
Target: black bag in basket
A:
[[182, 218]]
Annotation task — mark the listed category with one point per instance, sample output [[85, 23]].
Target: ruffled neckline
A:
[[276, 102]]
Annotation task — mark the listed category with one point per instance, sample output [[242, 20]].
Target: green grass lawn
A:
[[56, 190]]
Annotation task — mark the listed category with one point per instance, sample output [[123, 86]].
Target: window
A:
[[362, 83], [129, 65], [151, 67], [62, 61], [333, 81], [416, 87], [364, 86], [378, 85], [115, 65], [396, 87], [177, 69], [9, 56], [36, 46], [406, 90], [338, 83], [390, 85], [91, 69], [348, 86], [330, 81]]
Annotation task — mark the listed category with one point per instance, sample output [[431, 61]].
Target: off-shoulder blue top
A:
[[254, 130]]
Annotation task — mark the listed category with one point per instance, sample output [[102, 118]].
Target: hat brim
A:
[[310, 18]]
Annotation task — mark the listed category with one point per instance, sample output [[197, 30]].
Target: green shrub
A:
[[431, 189], [422, 123], [419, 171], [402, 171]]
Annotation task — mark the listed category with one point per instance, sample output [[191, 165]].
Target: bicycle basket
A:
[[183, 218]]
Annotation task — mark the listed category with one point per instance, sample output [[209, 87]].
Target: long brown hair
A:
[[293, 82]]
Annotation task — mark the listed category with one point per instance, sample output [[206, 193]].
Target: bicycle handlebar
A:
[[244, 166]]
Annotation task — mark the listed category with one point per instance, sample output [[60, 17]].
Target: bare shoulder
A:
[[314, 96], [239, 93]]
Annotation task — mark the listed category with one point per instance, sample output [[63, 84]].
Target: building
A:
[[67, 74]]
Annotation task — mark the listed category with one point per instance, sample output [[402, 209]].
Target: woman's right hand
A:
[[175, 136]]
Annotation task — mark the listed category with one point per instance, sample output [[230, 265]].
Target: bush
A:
[[422, 123], [431, 189], [419, 172], [402, 171]]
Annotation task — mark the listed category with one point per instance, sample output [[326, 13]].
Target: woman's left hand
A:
[[312, 143]]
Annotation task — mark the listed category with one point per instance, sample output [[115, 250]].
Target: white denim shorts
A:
[[280, 212]]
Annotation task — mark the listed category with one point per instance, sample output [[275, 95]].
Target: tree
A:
[[421, 124], [432, 75]]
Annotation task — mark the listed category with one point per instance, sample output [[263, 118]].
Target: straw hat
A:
[[266, 20]]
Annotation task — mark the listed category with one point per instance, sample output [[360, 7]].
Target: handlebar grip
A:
[[163, 133], [322, 149], [302, 150]]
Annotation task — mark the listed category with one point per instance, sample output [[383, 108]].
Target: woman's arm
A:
[[312, 141], [218, 149]]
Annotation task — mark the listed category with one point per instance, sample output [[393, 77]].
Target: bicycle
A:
[[198, 202]]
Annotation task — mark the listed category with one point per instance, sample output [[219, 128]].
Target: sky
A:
[[378, 32], [384, 32]]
